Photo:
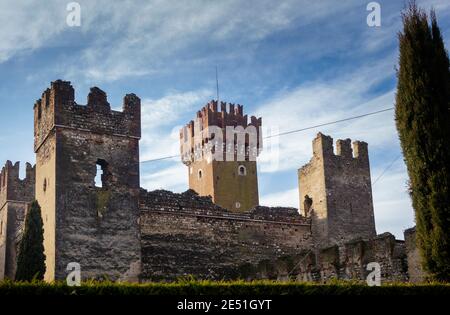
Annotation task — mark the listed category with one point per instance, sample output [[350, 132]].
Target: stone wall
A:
[[383, 249], [57, 108], [93, 224], [16, 212], [15, 197], [14, 188], [185, 234], [349, 261], [415, 270], [339, 186]]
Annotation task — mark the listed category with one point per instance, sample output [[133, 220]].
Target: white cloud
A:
[[288, 198], [160, 29], [393, 209], [320, 102], [129, 39], [27, 25], [392, 205], [325, 101], [160, 132], [310, 104], [135, 38], [160, 138], [173, 178]]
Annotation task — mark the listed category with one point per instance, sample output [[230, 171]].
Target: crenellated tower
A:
[[220, 148], [16, 196], [87, 182], [336, 191]]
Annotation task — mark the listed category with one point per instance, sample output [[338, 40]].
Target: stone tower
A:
[[220, 149], [93, 223], [16, 196], [336, 191]]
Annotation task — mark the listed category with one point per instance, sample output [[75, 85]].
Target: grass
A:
[[193, 287]]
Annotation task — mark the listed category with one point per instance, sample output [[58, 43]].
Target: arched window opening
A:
[[242, 171], [200, 174]]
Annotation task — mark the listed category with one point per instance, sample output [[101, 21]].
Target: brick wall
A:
[[214, 163]]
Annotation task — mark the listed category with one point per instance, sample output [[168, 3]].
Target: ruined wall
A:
[[220, 177], [349, 261], [415, 270], [383, 249], [94, 226], [185, 234], [340, 187], [15, 197], [3, 237], [312, 184]]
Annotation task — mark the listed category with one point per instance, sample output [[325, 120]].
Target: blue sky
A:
[[295, 63]]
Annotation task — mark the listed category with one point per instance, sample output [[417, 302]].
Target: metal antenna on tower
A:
[[217, 85]]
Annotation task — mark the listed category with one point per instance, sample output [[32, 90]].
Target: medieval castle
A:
[[214, 230]]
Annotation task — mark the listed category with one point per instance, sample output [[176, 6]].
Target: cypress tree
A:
[[423, 124], [31, 257]]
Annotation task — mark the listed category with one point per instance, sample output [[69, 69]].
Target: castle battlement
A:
[[198, 137], [220, 149], [15, 197], [12, 187], [323, 147], [57, 109], [335, 190], [229, 115], [190, 203]]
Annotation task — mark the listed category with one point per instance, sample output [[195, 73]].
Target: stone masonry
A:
[[337, 191], [84, 222], [16, 196], [87, 182], [185, 234]]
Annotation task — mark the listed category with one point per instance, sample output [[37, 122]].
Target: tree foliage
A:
[[423, 124], [31, 257]]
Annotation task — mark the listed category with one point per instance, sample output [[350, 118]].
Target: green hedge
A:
[[220, 288]]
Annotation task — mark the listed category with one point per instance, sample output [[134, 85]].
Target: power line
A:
[[330, 123], [292, 131], [161, 158], [386, 169]]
